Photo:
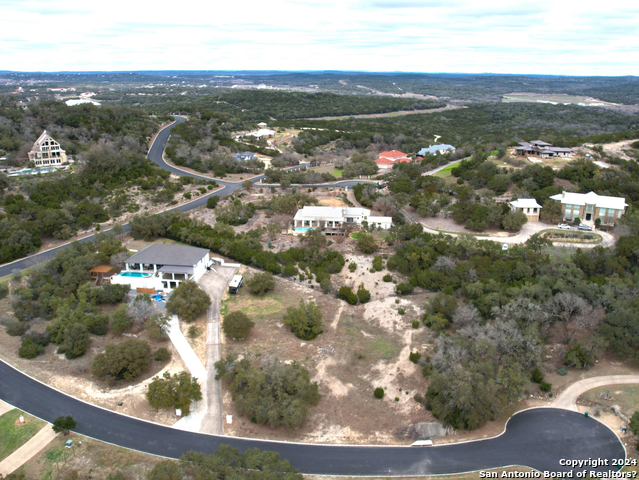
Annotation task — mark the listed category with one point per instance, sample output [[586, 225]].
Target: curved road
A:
[[155, 155], [537, 438]]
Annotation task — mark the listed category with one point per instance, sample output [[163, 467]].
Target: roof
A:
[[262, 132], [591, 198], [330, 212], [392, 154], [101, 269], [384, 160], [435, 148], [176, 269], [525, 203], [380, 219], [160, 254], [541, 142]]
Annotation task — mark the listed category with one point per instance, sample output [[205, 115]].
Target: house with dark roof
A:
[[542, 149], [163, 267]]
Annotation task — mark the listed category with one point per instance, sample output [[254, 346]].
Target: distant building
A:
[[262, 132], [262, 125], [387, 159], [528, 206], [245, 156], [332, 220], [163, 267], [435, 149], [46, 151], [543, 149], [589, 207]]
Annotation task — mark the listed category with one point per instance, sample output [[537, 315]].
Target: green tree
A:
[[366, 243], [237, 325], [634, 423], [120, 321], [29, 349], [247, 185], [76, 340], [177, 391], [305, 321], [285, 183], [261, 283], [165, 470], [444, 305], [212, 201], [126, 360], [314, 238], [188, 301], [551, 211], [158, 327], [363, 295], [513, 221], [64, 424]]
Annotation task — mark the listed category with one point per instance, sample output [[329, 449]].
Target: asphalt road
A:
[[537, 438], [155, 155]]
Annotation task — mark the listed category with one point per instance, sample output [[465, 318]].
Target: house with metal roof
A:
[[333, 220], [589, 207], [542, 149], [163, 267], [528, 206], [245, 156]]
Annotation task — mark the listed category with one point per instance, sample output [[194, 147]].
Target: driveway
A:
[[568, 398], [214, 282]]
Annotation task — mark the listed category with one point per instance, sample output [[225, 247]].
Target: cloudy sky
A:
[[567, 37]]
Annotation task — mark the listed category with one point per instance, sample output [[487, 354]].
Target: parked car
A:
[[563, 226], [584, 227]]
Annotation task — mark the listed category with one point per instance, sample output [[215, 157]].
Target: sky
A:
[[563, 37]]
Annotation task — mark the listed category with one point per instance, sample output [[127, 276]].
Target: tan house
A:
[[46, 152], [528, 206], [589, 207]]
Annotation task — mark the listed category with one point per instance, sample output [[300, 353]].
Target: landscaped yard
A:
[[13, 436], [445, 173], [336, 172], [625, 396]]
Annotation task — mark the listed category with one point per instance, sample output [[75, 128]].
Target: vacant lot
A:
[[13, 434]]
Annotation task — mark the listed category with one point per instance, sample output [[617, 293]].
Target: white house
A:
[[528, 206], [332, 220], [589, 207], [46, 152], [262, 132], [163, 267], [440, 148]]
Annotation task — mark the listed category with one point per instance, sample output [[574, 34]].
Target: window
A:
[[589, 208], [535, 210]]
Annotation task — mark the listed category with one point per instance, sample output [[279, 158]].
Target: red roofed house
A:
[[386, 160]]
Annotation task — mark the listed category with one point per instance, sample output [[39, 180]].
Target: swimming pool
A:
[[303, 229], [136, 274], [34, 171]]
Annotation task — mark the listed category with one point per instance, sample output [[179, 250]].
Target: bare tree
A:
[[118, 259], [444, 263], [448, 353], [384, 205], [140, 310], [571, 310], [524, 312], [466, 315]]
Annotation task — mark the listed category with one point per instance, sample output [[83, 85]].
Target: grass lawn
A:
[[12, 437], [328, 169], [445, 173], [626, 396], [355, 235]]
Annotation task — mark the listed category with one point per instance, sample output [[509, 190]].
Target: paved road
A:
[[537, 438], [568, 398]]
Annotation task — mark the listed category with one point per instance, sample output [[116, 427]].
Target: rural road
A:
[[568, 398], [537, 438]]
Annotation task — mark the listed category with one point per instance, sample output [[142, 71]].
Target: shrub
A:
[[562, 371], [327, 285], [401, 310], [344, 293], [634, 423], [379, 392], [305, 321], [125, 360], [261, 283], [29, 349], [120, 321], [545, 386], [427, 370], [397, 399], [415, 324], [290, 270], [352, 266], [237, 325], [16, 328], [188, 301], [536, 376], [212, 201], [363, 295], [404, 288], [194, 332], [387, 278], [377, 264], [418, 398], [414, 356], [161, 354], [436, 323], [177, 391], [187, 195], [4, 290], [366, 243]]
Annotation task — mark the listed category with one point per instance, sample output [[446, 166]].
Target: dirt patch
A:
[[198, 341]]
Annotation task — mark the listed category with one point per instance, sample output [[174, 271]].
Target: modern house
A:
[[245, 156], [46, 152], [163, 267], [528, 206], [387, 159], [589, 207], [436, 149], [543, 150], [333, 220], [262, 133]]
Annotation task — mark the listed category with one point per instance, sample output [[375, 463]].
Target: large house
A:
[[440, 148], [262, 133], [528, 206], [332, 220], [386, 160], [543, 149], [245, 156], [46, 152], [163, 267], [589, 207]]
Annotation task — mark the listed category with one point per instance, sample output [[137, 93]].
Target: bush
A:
[[536, 376], [76, 340], [177, 391], [545, 386], [290, 270], [194, 331], [187, 195], [327, 285], [366, 243], [401, 310], [346, 293], [212, 201], [378, 266], [237, 325], [404, 288], [436, 323], [161, 354], [352, 266], [188, 301], [387, 278], [427, 370], [363, 295], [122, 361], [305, 321], [261, 283], [634, 423], [29, 349], [414, 356], [415, 324], [379, 392], [562, 371], [16, 328], [120, 321], [4, 290]]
